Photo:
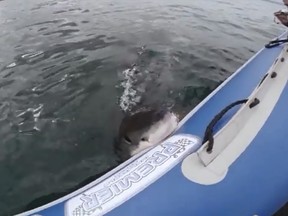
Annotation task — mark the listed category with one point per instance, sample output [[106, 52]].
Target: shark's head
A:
[[144, 129]]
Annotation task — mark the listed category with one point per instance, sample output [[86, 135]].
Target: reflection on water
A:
[[70, 69]]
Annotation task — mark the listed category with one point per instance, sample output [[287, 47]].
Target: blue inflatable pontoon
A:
[[229, 155]]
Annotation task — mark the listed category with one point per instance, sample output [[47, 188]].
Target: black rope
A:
[[208, 136], [275, 43]]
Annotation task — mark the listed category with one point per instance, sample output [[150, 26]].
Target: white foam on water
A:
[[129, 97], [132, 93], [11, 65], [32, 55]]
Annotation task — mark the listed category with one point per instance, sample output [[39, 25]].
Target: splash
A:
[[131, 94], [129, 97]]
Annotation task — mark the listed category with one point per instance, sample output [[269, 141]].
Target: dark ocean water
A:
[[69, 69]]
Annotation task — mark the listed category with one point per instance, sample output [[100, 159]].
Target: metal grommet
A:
[[254, 103], [273, 74]]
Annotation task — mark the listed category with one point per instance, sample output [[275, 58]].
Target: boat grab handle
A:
[[209, 129]]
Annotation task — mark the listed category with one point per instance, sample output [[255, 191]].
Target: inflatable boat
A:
[[229, 155]]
